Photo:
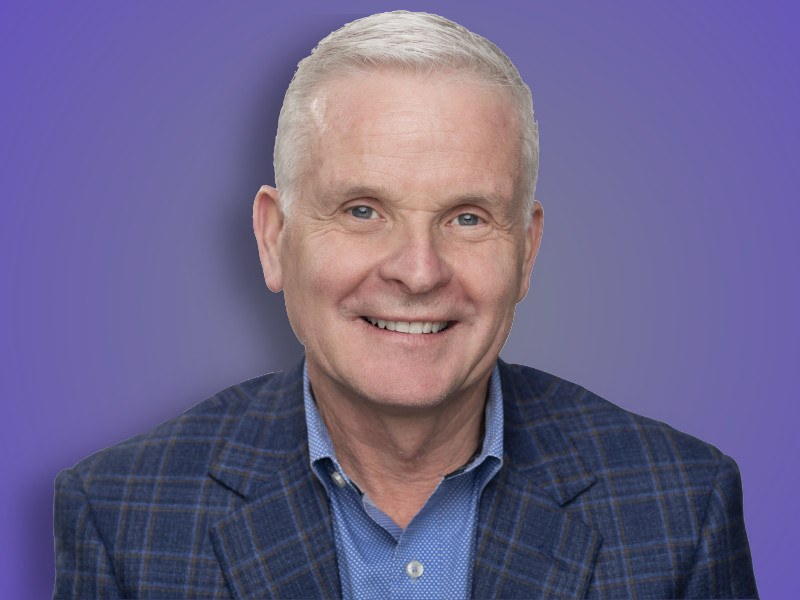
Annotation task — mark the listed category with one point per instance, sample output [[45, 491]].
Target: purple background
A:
[[134, 137]]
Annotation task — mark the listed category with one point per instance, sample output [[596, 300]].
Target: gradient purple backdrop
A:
[[135, 136]]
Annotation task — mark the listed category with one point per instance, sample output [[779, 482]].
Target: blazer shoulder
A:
[[599, 427], [658, 496], [188, 441]]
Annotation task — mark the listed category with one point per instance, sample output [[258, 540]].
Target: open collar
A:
[[278, 540]]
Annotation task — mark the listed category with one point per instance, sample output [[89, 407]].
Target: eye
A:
[[467, 219], [363, 212]]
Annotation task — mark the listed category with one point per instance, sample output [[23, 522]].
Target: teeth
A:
[[409, 326]]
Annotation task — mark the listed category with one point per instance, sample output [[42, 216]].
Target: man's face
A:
[[408, 219]]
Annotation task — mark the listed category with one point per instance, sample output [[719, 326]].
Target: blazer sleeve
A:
[[722, 565], [83, 566]]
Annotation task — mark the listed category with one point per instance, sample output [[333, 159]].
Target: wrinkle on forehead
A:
[[367, 124]]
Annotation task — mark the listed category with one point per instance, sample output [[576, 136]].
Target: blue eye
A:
[[363, 212], [468, 219]]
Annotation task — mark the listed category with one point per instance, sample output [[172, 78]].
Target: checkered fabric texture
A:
[[592, 501]]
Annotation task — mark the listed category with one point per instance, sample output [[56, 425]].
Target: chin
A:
[[403, 391]]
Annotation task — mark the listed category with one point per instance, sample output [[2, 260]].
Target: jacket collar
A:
[[529, 544], [535, 442], [267, 434], [278, 540]]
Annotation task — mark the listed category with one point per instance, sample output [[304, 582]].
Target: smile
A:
[[409, 326]]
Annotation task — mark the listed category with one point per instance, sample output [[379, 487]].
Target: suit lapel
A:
[[277, 541], [529, 543]]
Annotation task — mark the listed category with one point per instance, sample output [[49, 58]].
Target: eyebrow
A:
[[357, 191]]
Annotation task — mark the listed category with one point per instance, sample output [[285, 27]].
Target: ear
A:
[[533, 239], [268, 225]]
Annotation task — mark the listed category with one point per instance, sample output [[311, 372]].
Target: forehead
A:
[[414, 131]]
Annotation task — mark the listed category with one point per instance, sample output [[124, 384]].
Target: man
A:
[[402, 459]]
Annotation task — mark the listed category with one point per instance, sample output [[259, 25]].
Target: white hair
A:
[[410, 41]]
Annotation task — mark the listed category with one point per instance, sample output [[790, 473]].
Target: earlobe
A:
[[267, 226], [533, 239]]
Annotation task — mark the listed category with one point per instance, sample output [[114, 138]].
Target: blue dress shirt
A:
[[432, 557]]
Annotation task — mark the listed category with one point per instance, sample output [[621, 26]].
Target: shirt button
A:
[[338, 479], [414, 569]]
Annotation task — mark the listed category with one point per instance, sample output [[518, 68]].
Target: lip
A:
[[408, 319], [409, 326], [410, 338]]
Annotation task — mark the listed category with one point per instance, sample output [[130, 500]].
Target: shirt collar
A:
[[320, 446]]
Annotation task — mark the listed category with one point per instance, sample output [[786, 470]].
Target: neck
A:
[[398, 457]]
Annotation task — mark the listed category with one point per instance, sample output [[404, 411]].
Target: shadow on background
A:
[[267, 310]]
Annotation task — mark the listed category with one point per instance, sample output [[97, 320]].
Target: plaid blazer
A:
[[592, 501]]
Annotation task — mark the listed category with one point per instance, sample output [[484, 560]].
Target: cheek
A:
[[491, 278], [320, 276]]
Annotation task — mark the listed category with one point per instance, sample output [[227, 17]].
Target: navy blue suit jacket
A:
[[591, 501]]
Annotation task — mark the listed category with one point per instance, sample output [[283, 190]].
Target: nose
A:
[[416, 263]]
